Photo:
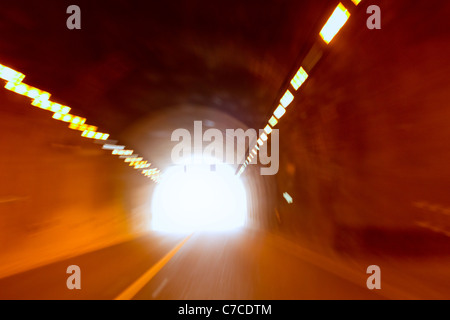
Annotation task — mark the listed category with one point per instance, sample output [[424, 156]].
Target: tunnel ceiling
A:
[[133, 59]]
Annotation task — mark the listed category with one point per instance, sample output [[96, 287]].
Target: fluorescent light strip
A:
[[273, 121], [263, 137], [41, 100], [279, 112], [267, 129], [260, 142], [286, 99], [299, 78], [336, 21], [112, 147]]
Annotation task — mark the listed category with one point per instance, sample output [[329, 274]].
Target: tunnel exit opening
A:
[[199, 197]]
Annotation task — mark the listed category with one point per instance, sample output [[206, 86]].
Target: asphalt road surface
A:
[[247, 264]]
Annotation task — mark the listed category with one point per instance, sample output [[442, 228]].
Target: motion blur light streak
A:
[[279, 112], [263, 137], [273, 121], [112, 147], [287, 197], [287, 99], [199, 200], [336, 21], [363, 147], [60, 112], [122, 152], [260, 142], [10, 75]]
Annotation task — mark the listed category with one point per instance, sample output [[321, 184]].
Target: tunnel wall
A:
[[364, 147], [60, 193]]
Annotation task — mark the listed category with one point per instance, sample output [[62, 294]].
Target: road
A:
[[246, 264]]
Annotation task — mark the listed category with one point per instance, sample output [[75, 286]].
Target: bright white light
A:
[[336, 21], [199, 199], [287, 99], [287, 197], [279, 111]]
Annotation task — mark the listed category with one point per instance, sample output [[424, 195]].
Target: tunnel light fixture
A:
[[67, 117], [336, 21], [112, 147], [78, 121], [42, 103], [122, 152], [57, 116], [263, 137], [141, 166], [130, 159], [273, 121], [254, 151], [288, 197], [10, 75], [205, 200], [150, 172], [62, 117], [133, 156], [299, 78], [75, 126], [88, 134], [56, 107], [31, 92], [82, 127], [95, 135], [279, 111], [41, 100], [260, 142], [19, 88], [137, 163], [34, 93], [286, 99]]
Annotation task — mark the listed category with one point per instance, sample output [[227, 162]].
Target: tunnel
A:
[[196, 150]]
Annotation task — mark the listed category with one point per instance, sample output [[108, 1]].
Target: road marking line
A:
[[136, 286]]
